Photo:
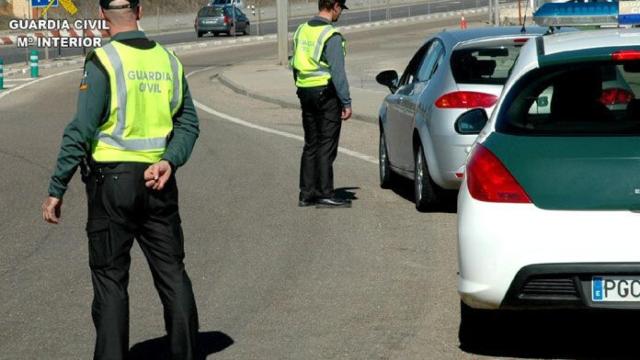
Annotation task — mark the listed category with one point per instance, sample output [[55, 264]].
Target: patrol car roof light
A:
[[575, 13]]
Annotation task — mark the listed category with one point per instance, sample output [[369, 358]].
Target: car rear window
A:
[[588, 99], [210, 11], [487, 66]]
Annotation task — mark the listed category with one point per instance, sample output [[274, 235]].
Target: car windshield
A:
[[210, 11], [591, 99], [486, 66]]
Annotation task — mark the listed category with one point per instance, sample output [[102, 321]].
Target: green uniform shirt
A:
[[93, 110]]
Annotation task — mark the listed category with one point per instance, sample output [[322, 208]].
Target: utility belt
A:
[[322, 91], [95, 171]]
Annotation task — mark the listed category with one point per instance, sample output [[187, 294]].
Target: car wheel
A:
[[386, 174], [427, 193], [472, 333], [200, 33], [247, 29], [216, 34]]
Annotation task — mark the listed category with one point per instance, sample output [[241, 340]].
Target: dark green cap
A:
[[132, 4]]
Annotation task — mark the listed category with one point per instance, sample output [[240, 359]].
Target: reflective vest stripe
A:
[[121, 89], [133, 144], [314, 73], [320, 43], [177, 86]]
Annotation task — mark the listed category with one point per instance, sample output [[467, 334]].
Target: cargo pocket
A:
[[100, 251]]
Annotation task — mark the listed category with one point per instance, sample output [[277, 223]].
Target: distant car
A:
[[452, 72], [549, 206], [221, 20]]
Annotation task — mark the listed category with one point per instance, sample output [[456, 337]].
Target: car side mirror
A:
[[388, 78], [471, 122]]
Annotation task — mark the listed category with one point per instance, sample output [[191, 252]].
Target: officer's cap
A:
[[106, 4], [343, 4]]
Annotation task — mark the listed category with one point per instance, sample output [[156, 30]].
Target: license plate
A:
[[615, 289]]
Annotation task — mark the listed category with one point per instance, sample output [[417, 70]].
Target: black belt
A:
[[118, 167]]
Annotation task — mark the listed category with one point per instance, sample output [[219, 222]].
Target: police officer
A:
[[136, 121], [318, 67]]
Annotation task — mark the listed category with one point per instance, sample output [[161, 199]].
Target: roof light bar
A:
[[580, 13], [576, 14]]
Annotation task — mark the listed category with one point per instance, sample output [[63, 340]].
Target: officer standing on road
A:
[[135, 125], [319, 71]]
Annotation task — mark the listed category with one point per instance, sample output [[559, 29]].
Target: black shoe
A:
[[306, 202], [333, 202]]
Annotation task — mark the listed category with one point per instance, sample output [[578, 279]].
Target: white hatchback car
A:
[[549, 209]]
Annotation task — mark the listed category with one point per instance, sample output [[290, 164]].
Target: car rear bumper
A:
[[214, 27], [502, 247], [451, 152], [547, 286]]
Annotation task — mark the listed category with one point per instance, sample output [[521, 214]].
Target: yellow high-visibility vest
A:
[[308, 43], [146, 93]]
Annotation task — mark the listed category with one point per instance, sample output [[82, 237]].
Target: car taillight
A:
[[227, 20], [626, 55], [616, 96], [489, 180], [466, 100]]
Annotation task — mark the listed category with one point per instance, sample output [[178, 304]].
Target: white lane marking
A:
[[355, 154], [237, 121], [3, 94], [10, 80]]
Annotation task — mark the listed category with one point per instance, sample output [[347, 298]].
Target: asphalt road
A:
[[12, 55], [272, 281]]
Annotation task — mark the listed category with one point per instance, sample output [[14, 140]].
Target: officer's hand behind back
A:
[[346, 114], [157, 175]]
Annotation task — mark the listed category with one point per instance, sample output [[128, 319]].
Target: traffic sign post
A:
[[283, 32], [1, 74]]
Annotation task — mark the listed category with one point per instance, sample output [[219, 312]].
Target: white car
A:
[[549, 208]]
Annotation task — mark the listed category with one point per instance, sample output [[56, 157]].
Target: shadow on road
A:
[[346, 193], [553, 334], [403, 187], [157, 349]]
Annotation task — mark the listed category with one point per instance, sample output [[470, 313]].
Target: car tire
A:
[[216, 34], [386, 174], [473, 333], [200, 33], [247, 30], [427, 193]]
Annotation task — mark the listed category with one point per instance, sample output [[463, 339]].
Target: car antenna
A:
[[524, 22]]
